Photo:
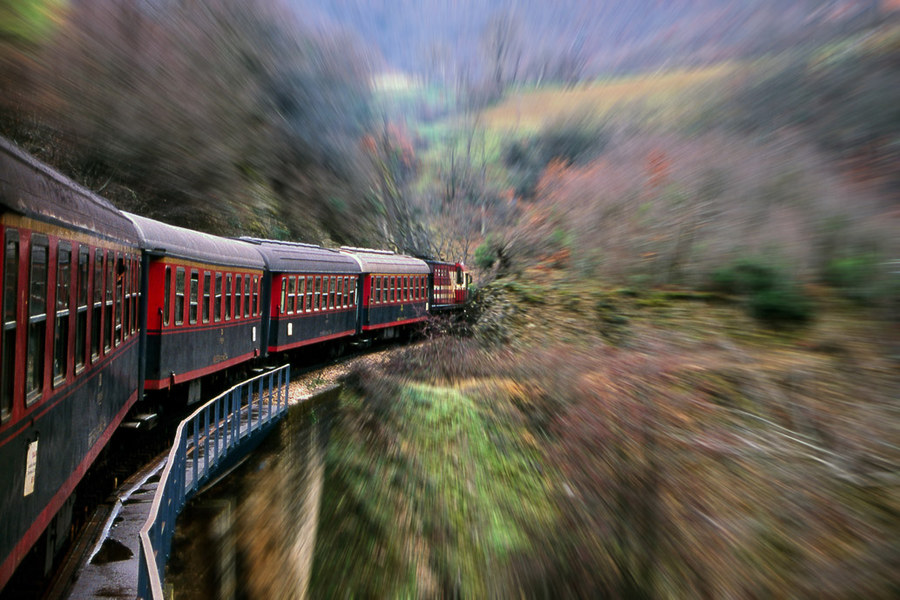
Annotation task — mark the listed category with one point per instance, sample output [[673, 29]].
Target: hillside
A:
[[605, 442]]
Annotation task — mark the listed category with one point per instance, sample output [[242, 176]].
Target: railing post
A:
[[216, 428], [205, 440], [195, 459], [259, 410], [268, 406]]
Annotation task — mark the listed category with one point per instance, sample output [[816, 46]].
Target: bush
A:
[[772, 298], [745, 276], [785, 304], [485, 255], [855, 276]]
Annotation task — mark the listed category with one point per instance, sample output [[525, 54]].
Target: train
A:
[[106, 312]]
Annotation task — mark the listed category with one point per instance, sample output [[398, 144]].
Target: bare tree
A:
[[502, 46]]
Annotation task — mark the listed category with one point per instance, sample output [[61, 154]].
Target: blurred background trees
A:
[[228, 116]]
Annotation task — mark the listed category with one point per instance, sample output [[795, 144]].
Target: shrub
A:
[[745, 276], [856, 277], [771, 296], [784, 304], [485, 255]]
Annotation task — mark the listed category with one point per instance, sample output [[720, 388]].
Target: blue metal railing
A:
[[202, 442]]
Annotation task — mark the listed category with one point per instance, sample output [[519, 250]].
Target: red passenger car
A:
[[204, 305], [314, 295], [394, 290]]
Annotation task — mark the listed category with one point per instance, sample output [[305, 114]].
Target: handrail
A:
[[223, 431]]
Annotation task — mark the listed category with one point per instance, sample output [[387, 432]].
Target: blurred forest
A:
[[228, 116]]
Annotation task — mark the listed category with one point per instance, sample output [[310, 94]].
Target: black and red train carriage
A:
[[68, 346], [394, 291], [313, 294], [204, 304]]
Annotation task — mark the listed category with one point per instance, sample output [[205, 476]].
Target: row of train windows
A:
[[94, 298], [386, 288], [445, 275], [309, 293], [232, 295]]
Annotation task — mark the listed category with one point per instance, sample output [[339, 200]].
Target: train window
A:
[[84, 257], [179, 295], [126, 299], [8, 323], [167, 292], [217, 308], [304, 300], [136, 296], [282, 307], [96, 317], [194, 297], [238, 292], [332, 292], [119, 295], [374, 291], [61, 324], [291, 295], [206, 296], [228, 296], [309, 292], [255, 295], [339, 293], [346, 292], [37, 319], [107, 313], [247, 282], [135, 290], [301, 294]]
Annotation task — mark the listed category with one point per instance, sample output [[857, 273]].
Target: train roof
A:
[[385, 261], [296, 257], [33, 189], [169, 240], [434, 261]]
